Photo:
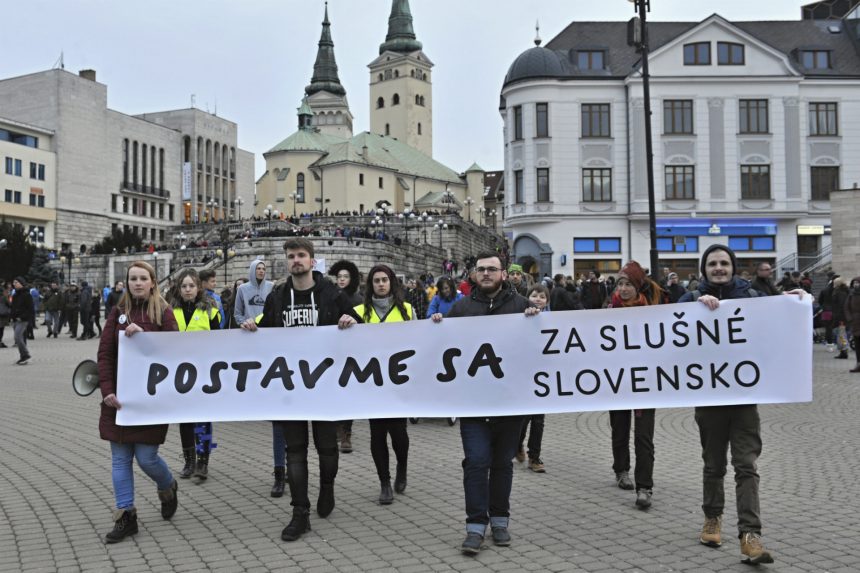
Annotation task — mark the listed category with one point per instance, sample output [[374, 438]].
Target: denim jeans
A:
[[20, 329], [489, 444], [122, 456], [279, 445], [52, 317]]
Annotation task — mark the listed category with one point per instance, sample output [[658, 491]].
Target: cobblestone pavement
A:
[[56, 496]]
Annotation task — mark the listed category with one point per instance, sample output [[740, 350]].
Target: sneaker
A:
[[23, 361], [501, 537], [623, 480], [710, 535], [536, 465], [521, 454], [472, 543], [643, 498], [752, 547]]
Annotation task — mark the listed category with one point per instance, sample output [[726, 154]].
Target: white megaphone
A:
[[86, 378]]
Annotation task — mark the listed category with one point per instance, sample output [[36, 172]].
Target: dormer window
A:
[[590, 59], [697, 54], [730, 54], [815, 59]]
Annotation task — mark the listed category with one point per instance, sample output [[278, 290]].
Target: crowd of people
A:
[[307, 298]]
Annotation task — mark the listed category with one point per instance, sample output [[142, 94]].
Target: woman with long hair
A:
[[383, 302], [634, 288], [194, 312], [140, 309], [445, 297]]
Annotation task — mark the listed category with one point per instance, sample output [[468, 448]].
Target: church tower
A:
[[326, 97], [401, 101]]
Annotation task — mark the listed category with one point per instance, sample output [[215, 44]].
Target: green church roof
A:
[[401, 36], [474, 167], [307, 140], [325, 76]]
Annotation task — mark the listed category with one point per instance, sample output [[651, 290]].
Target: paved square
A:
[[56, 495]]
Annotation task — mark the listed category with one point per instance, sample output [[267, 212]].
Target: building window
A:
[[16, 197], [18, 167], [824, 180], [419, 128], [823, 118], [815, 59], [380, 103], [8, 196], [597, 245], [730, 54], [678, 244], [125, 204], [395, 100], [697, 54], [10, 166], [143, 208], [387, 129], [113, 203], [542, 120], [519, 190], [753, 116], [765, 243], [380, 182], [361, 178], [161, 211], [300, 188], [134, 165], [755, 181], [677, 116], [518, 122], [33, 170], [680, 182], [590, 59], [597, 185], [161, 168], [542, 185], [595, 120], [37, 200], [170, 207], [41, 176], [161, 235]]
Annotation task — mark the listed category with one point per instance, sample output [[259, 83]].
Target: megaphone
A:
[[86, 378]]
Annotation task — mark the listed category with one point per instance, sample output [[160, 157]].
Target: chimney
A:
[[88, 75]]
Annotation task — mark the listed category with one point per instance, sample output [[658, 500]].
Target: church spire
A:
[[401, 36], [325, 68]]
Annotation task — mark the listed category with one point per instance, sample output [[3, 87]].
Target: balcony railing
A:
[[146, 191]]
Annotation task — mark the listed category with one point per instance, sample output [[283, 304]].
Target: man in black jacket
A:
[[306, 299], [21, 313], [763, 282], [489, 444]]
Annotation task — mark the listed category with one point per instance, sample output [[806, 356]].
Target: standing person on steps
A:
[[21, 314], [140, 309], [306, 299], [383, 302]]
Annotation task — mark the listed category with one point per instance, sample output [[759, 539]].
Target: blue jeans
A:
[[52, 317], [489, 444], [279, 445], [122, 456]]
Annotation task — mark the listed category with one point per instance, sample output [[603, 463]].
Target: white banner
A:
[[186, 181], [750, 351]]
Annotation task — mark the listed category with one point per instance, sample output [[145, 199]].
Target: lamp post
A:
[[424, 218], [491, 213], [237, 208], [293, 196], [226, 249], [66, 258], [182, 240], [36, 237], [643, 7], [441, 225], [268, 212], [448, 198], [481, 210], [211, 203], [406, 216], [469, 202]]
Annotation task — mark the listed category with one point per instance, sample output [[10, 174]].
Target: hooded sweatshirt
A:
[[735, 288], [251, 296]]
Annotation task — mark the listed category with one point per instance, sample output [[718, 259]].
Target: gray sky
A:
[[254, 57]]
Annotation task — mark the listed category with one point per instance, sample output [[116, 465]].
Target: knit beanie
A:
[[634, 272]]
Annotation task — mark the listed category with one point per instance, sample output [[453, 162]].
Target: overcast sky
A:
[[252, 58]]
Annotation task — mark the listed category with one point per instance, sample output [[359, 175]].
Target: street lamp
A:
[[293, 196], [66, 258], [424, 218], [237, 207], [36, 237], [491, 213], [182, 240], [644, 6], [481, 209], [441, 225], [226, 249], [469, 202], [212, 203], [406, 216], [268, 212]]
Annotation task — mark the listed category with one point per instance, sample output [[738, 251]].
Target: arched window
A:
[[387, 74], [380, 103], [387, 129], [395, 100], [417, 100], [380, 77], [300, 188], [422, 101], [412, 73], [396, 73], [419, 128], [125, 151]]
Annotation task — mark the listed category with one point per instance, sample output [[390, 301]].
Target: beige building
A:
[[28, 179], [323, 166]]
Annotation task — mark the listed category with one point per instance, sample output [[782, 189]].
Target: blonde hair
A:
[[155, 303]]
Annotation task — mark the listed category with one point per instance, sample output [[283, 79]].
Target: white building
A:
[[754, 124], [114, 171]]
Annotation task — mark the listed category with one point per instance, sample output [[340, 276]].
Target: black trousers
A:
[[643, 443], [379, 432], [72, 318], [536, 435], [297, 438], [857, 348], [190, 437]]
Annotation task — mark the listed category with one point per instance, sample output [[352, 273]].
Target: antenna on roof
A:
[[193, 100], [59, 64], [216, 107], [537, 33]]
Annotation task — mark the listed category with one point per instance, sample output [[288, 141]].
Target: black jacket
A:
[[331, 303], [764, 286], [562, 299], [508, 301], [22, 305], [737, 288]]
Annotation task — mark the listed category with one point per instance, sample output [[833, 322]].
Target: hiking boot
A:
[[710, 535], [643, 498], [400, 479], [190, 460], [501, 537], [536, 465], [299, 524], [346, 443], [280, 480], [201, 470], [386, 495], [169, 501], [843, 355], [124, 525], [325, 501], [623, 480], [521, 454], [752, 547], [472, 543]]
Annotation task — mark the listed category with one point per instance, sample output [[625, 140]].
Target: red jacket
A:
[[107, 358]]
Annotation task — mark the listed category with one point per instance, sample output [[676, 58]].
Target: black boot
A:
[[189, 455], [842, 355], [297, 480], [299, 524], [124, 525], [328, 471], [280, 478], [386, 496], [169, 501], [400, 479], [201, 470]]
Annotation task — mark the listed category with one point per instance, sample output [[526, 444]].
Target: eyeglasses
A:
[[487, 270]]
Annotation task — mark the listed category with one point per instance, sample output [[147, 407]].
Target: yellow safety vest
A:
[[199, 320], [393, 315]]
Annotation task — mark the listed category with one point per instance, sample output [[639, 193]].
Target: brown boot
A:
[[710, 535], [752, 547]]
